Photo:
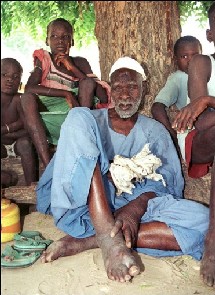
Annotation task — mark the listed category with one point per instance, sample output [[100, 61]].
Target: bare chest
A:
[[9, 113]]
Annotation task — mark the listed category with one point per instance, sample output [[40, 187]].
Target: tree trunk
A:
[[144, 30]]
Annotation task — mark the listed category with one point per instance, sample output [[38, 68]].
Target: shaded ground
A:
[[84, 274]]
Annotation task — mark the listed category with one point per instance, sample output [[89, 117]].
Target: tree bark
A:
[[144, 30]]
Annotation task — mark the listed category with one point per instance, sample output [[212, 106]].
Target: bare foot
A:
[[207, 270], [119, 262], [68, 246]]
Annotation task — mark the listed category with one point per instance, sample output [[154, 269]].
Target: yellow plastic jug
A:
[[10, 220]]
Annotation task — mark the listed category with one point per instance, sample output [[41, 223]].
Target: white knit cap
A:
[[128, 63]]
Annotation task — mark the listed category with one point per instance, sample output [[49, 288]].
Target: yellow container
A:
[[10, 220]]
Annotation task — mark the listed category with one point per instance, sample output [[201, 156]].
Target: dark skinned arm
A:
[[33, 86], [198, 76], [128, 218], [16, 134]]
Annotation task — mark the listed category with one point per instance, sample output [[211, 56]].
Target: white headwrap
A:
[[128, 63]]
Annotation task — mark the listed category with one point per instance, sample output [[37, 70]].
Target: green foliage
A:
[[197, 8], [33, 17]]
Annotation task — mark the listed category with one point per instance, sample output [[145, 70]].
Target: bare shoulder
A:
[[17, 99], [83, 64], [13, 109]]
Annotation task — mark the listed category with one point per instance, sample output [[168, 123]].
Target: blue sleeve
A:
[[163, 147]]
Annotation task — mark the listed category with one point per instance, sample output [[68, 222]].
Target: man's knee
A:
[[205, 139], [29, 100], [23, 146], [203, 146], [87, 83]]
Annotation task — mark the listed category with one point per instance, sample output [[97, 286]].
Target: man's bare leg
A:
[[207, 270], [24, 148], [156, 235], [119, 262], [204, 153], [35, 126], [68, 246], [86, 92]]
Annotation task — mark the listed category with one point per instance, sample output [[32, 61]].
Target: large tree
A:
[[145, 30]]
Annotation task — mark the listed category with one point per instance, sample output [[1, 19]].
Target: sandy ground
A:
[[84, 274]]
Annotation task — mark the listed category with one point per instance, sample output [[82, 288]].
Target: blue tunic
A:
[[87, 138]]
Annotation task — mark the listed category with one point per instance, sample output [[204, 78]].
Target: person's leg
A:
[[156, 235], [119, 262], [207, 269], [8, 178], [203, 146], [24, 148], [86, 92], [68, 246], [72, 145], [173, 227], [34, 125]]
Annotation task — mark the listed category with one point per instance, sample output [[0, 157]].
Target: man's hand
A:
[[187, 116], [64, 58], [71, 100], [127, 219]]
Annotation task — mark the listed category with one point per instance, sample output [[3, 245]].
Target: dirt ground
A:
[[84, 274]]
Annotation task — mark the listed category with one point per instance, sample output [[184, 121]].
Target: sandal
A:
[[11, 258], [30, 241]]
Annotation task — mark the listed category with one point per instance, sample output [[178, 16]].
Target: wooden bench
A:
[[195, 189]]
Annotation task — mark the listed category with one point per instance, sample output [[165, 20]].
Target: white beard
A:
[[127, 113]]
